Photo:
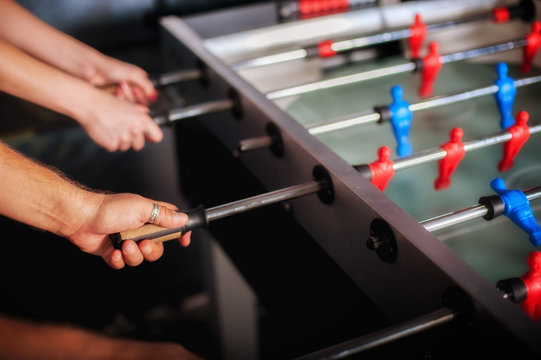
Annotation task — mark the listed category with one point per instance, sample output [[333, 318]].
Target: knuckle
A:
[[125, 138], [166, 215]]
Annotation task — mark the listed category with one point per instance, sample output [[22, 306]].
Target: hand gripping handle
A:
[[197, 218]]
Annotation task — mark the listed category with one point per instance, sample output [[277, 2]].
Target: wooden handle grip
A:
[[147, 231]]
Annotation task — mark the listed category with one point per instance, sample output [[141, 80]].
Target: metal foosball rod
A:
[[412, 66], [485, 208], [311, 8], [187, 112], [199, 217], [381, 113], [384, 336], [524, 10], [451, 153], [175, 77], [429, 103], [254, 143], [434, 154]]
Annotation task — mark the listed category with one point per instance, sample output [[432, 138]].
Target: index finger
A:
[[140, 78]]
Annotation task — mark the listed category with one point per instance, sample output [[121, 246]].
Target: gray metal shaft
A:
[[191, 111], [343, 122], [470, 145], [370, 40], [385, 336], [429, 103], [258, 201], [452, 23], [436, 101], [342, 80], [390, 70], [470, 213], [382, 38], [371, 117], [244, 205], [492, 49], [176, 77], [271, 59], [255, 143], [350, 44]]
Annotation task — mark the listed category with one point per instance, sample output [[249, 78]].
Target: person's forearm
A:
[[40, 197], [32, 35], [23, 76], [23, 340]]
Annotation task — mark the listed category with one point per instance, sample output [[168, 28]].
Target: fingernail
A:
[[180, 217], [147, 249], [153, 96], [130, 248]]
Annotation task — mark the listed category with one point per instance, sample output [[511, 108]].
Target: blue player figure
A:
[[505, 96], [517, 208], [401, 117]]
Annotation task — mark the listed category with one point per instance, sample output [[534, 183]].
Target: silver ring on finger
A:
[[154, 213]]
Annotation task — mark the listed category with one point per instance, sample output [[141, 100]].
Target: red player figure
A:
[[309, 8], [431, 67], [520, 132], [500, 14], [455, 152], [417, 38], [529, 51], [532, 279], [382, 169], [325, 49]]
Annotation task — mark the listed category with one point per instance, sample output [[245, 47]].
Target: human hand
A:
[[114, 213], [117, 124], [132, 82], [133, 93]]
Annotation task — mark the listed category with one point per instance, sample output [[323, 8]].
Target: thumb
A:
[[152, 131], [170, 218]]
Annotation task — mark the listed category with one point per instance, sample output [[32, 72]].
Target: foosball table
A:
[[404, 139]]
